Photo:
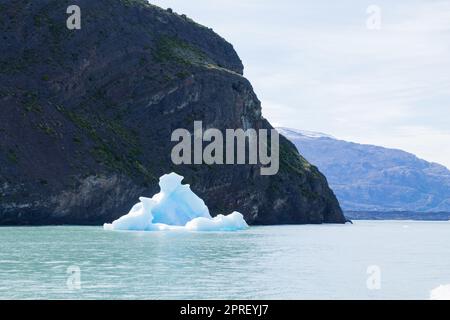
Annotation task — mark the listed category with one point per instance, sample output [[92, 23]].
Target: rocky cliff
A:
[[86, 117]]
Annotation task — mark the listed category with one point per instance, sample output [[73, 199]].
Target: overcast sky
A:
[[315, 65]]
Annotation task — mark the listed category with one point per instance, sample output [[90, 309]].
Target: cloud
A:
[[316, 66]]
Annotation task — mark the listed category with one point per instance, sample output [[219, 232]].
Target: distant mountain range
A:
[[369, 178]]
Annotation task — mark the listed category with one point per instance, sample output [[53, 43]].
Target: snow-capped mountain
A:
[[373, 178], [288, 133]]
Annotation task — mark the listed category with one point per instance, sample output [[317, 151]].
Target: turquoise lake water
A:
[[276, 262]]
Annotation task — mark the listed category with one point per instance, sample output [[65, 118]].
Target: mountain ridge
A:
[[373, 178]]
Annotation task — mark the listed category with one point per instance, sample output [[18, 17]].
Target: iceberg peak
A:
[[175, 207], [169, 182]]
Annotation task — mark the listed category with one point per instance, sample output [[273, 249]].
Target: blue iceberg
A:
[[175, 207]]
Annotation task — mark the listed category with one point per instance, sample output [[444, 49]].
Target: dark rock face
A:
[[86, 117]]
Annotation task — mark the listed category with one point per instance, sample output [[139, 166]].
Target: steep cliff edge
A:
[[86, 117]]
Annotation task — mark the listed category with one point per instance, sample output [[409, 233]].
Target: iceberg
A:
[[440, 293], [175, 207]]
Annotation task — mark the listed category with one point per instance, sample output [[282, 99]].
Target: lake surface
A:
[[280, 262]]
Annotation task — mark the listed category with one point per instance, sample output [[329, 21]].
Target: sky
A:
[[375, 72]]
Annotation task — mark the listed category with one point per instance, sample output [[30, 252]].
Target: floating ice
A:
[[440, 293], [175, 207]]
